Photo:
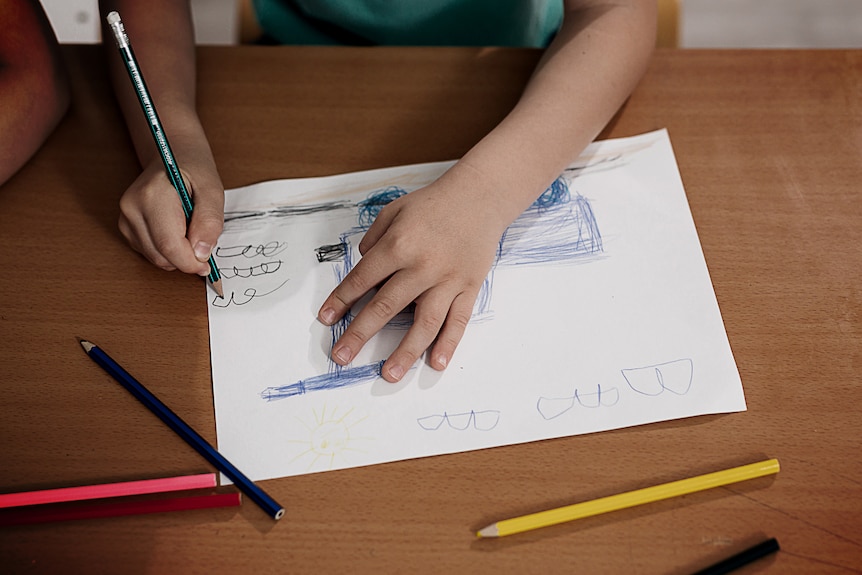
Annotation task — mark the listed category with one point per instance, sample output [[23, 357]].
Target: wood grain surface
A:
[[769, 145]]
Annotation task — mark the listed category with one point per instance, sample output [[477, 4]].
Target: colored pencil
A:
[[629, 499], [741, 559], [149, 108], [103, 490], [114, 507], [181, 428]]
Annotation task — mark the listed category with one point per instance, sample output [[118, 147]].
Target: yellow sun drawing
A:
[[331, 438]]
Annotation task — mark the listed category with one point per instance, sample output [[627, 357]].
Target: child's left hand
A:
[[433, 247]]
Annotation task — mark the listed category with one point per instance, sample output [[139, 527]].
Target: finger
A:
[[207, 220], [429, 316], [143, 246], [377, 228], [393, 297], [453, 330], [165, 229], [365, 276]]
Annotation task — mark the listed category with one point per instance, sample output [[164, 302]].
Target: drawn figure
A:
[[338, 377], [674, 376], [558, 227], [555, 228], [551, 407], [248, 261], [480, 420], [330, 436]]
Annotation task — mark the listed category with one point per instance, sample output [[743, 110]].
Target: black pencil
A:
[[741, 559], [172, 420]]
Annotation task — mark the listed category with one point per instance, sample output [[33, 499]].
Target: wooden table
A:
[[769, 144]]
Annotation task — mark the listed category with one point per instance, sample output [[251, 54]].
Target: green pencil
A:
[[158, 133]]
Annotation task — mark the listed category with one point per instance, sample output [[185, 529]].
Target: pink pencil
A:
[[114, 508], [108, 490]]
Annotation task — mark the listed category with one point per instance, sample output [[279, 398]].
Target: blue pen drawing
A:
[[553, 407], [479, 420], [338, 377], [673, 376], [558, 227], [331, 436]]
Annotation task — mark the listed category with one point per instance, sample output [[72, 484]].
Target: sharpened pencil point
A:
[[489, 531], [218, 288], [87, 345]]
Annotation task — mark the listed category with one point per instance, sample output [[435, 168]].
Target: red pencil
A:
[[114, 508], [83, 492]]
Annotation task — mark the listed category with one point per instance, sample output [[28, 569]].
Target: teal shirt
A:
[[528, 23]]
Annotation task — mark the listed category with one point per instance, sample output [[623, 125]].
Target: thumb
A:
[[207, 221]]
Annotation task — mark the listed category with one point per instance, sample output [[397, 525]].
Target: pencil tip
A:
[[489, 531], [86, 345], [218, 288]]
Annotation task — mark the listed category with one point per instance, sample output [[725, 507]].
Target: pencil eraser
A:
[[113, 18]]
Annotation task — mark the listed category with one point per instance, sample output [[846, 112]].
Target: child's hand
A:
[[153, 221], [433, 247]]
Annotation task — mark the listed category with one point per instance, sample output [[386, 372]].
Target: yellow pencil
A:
[[629, 499]]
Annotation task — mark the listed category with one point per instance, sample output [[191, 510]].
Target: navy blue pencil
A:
[[181, 428]]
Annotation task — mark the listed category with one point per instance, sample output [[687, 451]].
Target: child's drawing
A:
[[674, 376], [603, 271], [480, 420], [338, 377], [558, 227], [552, 407], [331, 435]]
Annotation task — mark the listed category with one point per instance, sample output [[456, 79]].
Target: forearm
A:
[[162, 38], [151, 215], [583, 78]]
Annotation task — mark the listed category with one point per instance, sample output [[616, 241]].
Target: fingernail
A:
[[395, 372], [203, 251], [327, 316], [442, 360], [342, 354]]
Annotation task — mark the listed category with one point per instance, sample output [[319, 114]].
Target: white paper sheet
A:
[[599, 314]]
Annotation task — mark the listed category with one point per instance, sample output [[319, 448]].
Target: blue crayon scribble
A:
[[558, 227], [342, 377], [370, 207]]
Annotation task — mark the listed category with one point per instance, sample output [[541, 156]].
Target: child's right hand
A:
[[152, 218]]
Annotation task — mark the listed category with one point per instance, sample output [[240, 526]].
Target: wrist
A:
[[502, 199]]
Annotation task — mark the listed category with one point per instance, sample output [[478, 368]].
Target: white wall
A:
[[703, 23], [771, 23], [77, 21]]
